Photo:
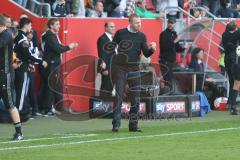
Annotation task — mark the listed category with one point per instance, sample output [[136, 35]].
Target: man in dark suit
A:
[[105, 57]]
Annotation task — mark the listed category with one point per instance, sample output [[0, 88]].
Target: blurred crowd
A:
[[123, 8]]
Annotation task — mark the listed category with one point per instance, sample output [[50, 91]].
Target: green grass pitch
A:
[[214, 137]]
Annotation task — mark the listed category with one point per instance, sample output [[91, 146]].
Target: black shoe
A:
[[135, 130], [233, 111], [17, 137], [115, 129]]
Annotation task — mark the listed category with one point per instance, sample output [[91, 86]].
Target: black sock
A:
[[18, 127], [234, 98]]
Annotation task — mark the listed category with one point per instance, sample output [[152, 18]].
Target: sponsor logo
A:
[[170, 107]]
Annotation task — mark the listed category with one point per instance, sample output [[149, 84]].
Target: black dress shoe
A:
[[234, 111], [115, 129], [135, 130]]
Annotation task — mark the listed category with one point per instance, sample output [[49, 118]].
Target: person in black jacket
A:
[[226, 11], [6, 52], [23, 54], [52, 55], [198, 66], [230, 40], [236, 85], [130, 43], [105, 57], [169, 45]]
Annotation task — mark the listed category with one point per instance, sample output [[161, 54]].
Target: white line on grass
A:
[[50, 138], [116, 139]]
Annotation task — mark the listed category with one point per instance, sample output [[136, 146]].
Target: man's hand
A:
[[105, 73], [73, 45], [186, 46], [103, 66], [153, 46], [25, 44], [44, 64]]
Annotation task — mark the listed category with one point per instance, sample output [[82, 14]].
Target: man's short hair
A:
[[23, 22], [2, 20], [107, 23], [96, 2], [23, 15], [134, 15], [51, 22], [231, 26]]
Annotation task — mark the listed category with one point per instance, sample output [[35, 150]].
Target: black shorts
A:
[[5, 90]]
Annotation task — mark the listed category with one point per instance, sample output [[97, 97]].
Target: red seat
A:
[[150, 6]]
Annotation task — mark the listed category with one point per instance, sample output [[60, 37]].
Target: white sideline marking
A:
[[49, 138], [115, 139]]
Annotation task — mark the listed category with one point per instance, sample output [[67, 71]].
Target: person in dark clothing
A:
[[6, 52], [236, 86], [52, 55], [230, 40], [22, 52], [130, 42], [35, 37], [197, 65], [226, 11], [31, 74], [105, 57], [169, 45], [112, 8]]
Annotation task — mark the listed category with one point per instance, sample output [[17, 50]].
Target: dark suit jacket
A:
[[103, 54]]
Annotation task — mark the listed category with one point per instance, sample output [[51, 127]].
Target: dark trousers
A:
[[31, 93], [53, 89], [229, 70], [167, 73], [42, 87], [5, 90], [122, 77], [21, 86], [106, 86]]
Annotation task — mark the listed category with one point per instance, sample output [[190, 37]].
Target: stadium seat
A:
[[150, 6]]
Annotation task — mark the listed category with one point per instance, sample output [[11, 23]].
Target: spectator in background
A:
[[204, 12], [81, 9], [112, 7], [123, 5], [213, 5], [226, 11], [197, 14], [130, 7], [143, 12], [50, 2], [197, 65], [72, 7], [161, 5], [186, 5], [60, 9], [97, 11]]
